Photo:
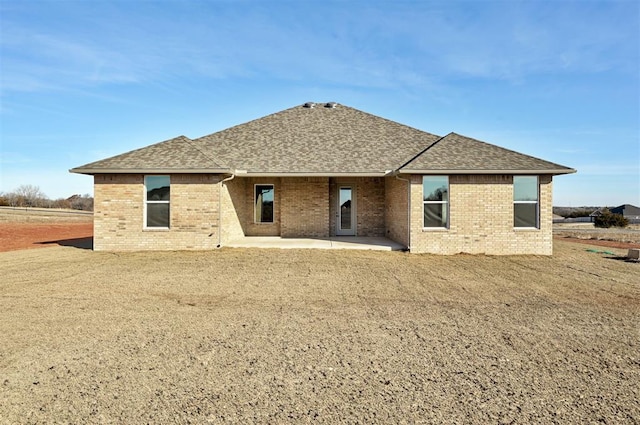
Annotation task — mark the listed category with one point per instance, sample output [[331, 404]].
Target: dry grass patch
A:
[[272, 336]]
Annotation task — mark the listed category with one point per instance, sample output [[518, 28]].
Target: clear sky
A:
[[85, 80]]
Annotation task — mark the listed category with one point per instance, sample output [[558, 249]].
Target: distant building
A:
[[630, 212]]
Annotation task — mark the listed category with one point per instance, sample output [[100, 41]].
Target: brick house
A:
[[319, 171]]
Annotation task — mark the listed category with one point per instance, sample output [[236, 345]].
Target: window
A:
[[435, 196], [263, 202], [525, 201], [157, 196]]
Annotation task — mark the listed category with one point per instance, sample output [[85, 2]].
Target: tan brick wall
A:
[[251, 228], [396, 215], [481, 219], [233, 206], [481, 213], [369, 204], [119, 214], [305, 207]]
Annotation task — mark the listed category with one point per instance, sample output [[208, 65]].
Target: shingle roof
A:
[[456, 153], [179, 153], [317, 140], [320, 140]]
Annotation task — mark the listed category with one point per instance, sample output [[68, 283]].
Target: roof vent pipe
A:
[[309, 105], [330, 105]]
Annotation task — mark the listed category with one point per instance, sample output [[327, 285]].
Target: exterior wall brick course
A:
[[251, 228], [481, 219], [305, 207], [396, 204], [119, 210], [233, 206], [370, 206], [369, 200]]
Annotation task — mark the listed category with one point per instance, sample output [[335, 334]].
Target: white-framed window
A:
[[435, 201], [157, 199], [263, 203], [526, 208]]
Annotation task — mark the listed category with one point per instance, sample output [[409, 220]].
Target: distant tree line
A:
[[30, 196], [572, 212], [604, 218]]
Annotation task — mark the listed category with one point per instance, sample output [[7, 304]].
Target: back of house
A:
[[322, 170]]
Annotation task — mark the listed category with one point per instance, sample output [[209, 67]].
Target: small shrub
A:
[[608, 219]]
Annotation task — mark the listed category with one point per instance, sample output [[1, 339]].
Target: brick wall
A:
[[305, 207], [233, 206], [251, 228], [481, 219], [369, 204], [396, 216], [119, 213], [481, 213]]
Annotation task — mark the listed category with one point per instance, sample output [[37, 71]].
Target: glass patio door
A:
[[346, 212]]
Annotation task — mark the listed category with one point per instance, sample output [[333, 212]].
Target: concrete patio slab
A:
[[336, 242]]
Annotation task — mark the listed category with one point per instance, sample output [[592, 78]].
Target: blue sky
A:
[[84, 80]]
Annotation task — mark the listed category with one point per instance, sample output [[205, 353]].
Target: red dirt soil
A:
[[16, 236], [598, 242]]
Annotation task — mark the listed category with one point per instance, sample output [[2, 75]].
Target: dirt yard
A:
[[284, 336], [27, 229], [628, 237]]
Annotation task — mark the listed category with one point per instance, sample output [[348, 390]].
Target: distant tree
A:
[[61, 203], [582, 212], [28, 195], [608, 219], [571, 212], [81, 202], [31, 196]]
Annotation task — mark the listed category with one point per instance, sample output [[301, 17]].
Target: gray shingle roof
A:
[[455, 153], [317, 140], [320, 140], [179, 153]]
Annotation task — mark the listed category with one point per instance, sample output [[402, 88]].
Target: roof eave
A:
[[244, 173], [554, 172], [94, 171]]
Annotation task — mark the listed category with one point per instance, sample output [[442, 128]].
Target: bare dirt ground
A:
[[601, 242], [299, 336], [27, 229], [628, 237]]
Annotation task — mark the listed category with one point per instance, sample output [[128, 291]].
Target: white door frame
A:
[[352, 230]]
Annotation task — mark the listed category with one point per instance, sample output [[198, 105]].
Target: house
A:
[[628, 211], [319, 171]]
